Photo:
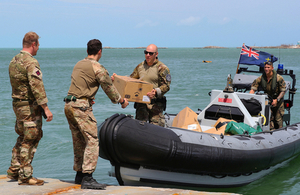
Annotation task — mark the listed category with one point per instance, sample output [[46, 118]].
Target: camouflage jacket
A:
[[158, 74], [280, 85], [26, 78], [87, 75]]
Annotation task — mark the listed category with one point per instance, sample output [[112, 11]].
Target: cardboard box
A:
[[187, 119], [133, 89], [221, 123], [219, 126], [214, 131]]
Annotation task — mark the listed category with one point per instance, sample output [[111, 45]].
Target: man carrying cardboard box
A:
[[155, 72]]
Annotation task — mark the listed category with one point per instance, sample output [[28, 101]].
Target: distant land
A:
[[131, 47], [210, 47], [282, 46]]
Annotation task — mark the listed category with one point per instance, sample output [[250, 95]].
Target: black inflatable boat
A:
[[144, 154]]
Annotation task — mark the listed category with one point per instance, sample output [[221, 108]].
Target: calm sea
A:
[[192, 80]]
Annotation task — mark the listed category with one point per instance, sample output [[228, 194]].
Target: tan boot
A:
[[13, 177], [32, 181]]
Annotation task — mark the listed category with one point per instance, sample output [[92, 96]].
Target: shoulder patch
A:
[[168, 77], [37, 72]]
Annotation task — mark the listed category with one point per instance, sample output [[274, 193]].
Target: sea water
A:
[[192, 80]]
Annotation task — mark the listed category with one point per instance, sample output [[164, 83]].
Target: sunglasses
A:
[[269, 63], [150, 53]]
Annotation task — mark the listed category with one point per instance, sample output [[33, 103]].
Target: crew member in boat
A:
[[274, 85], [88, 74], [153, 71]]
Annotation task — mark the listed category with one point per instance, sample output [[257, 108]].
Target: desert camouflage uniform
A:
[[79, 113], [277, 112], [159, 75], [27, 92]]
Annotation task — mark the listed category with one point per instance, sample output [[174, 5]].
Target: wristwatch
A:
[[123, 101]]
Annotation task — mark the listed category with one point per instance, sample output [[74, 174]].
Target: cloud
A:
[[225, 20], [189, 21], [146, 23]]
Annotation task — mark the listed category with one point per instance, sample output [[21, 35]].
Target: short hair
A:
[[30, 38], [94, 46]]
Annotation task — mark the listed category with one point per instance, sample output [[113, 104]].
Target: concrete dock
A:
[[56, 186]]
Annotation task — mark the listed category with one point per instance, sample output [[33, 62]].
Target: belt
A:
[[73, 98], [84, 98], [18, 102], [21, 100]]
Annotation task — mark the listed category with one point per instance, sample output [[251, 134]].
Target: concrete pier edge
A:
[[56, 186]]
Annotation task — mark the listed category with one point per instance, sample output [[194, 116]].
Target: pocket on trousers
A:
[[31, 132], [92, 117]]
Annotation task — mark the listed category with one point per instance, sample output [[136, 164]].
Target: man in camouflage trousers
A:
[[153, 71], [29, 97], [88, 74], [274, 85]]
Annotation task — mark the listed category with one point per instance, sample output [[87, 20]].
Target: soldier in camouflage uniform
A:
[[88, 74], [274, 85], [29, 97], [153, 71]]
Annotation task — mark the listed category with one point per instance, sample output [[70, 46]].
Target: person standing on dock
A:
[[153, 71], [88, 74], [29, 102], [274, 85]]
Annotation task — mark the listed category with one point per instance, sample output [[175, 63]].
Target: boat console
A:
[[230, 106]]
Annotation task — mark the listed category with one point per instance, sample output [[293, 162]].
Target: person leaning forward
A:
[[153, 71], [274, 85], [88, 74], [29, 97]]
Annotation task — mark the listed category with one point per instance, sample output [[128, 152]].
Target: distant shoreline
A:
[[283, 46], [218, 47], [131, 48]]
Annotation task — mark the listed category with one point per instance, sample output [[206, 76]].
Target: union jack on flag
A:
[[249, 51], [252, 56]]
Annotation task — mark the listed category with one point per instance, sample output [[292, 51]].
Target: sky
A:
[[138, 23]]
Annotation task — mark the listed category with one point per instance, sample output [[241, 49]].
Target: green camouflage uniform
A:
[[159, 75], [87, 75], [277, 112], [27, 92]]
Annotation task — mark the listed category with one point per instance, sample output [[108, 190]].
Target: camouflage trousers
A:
[[83, 126], [152, 113], [276, 120], [29, 128]]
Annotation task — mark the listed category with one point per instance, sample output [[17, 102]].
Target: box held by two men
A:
[[187, 119], [133, 89]]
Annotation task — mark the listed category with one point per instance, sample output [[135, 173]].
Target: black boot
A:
[[78, 177], [88, 182]]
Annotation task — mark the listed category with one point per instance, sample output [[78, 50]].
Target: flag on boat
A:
[[252, 56]]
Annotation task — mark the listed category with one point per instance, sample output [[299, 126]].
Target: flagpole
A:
[[237, 69]]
